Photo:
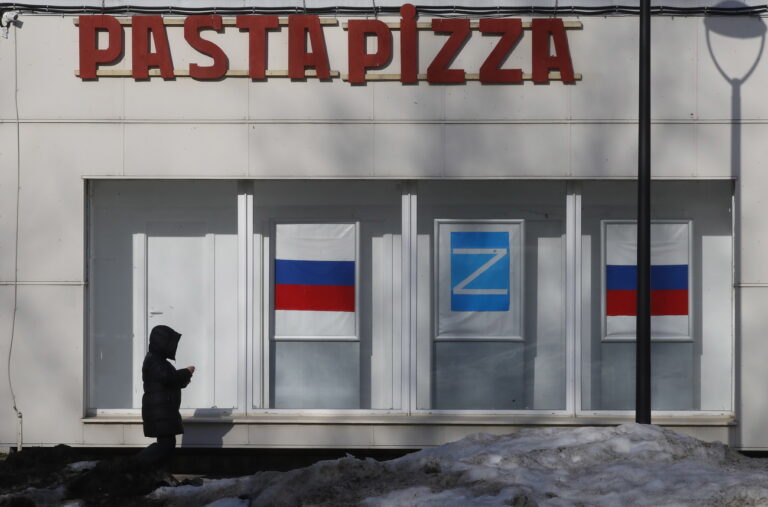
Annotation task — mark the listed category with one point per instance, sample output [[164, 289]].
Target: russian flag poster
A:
[[315, 271], [670, 280]]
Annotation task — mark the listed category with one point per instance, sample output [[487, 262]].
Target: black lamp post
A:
[[643, 327]]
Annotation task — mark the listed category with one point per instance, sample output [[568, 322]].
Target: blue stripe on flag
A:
[[292, 272], [671, 277]]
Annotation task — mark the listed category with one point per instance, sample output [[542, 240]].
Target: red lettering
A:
[[192, 27], [90, 54], [543, 62], [359, 59], [438, 71], [511, 30], [257, 27], [145, 27], [409, 45], [299, 59]]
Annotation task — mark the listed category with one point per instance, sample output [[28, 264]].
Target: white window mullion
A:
[[573, 297], [408, 299]]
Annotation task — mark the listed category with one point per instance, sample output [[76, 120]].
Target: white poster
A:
[[479, 279], [670, 280], [315, 280]]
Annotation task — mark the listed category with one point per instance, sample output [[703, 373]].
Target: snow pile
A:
[[625, 465]]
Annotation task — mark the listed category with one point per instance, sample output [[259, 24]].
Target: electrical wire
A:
[[444, 11], [16, 243]]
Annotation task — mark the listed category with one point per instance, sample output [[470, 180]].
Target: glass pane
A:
[[524, 367], [316, 375], [692, 337], [330, 267], [163, 253]]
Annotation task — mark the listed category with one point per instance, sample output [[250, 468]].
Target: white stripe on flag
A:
[[670, 326], [311, 324], [669, 244], [315, 242]]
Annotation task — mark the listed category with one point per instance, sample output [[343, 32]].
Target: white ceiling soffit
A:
[[316, 4]]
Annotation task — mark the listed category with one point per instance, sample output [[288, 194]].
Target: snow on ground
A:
[[608, 466]]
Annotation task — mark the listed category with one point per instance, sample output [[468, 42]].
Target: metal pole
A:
[[643, 338]]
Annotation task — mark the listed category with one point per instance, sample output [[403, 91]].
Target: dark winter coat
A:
[[162, 385]]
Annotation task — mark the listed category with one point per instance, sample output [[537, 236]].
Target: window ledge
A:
[[434, 419]]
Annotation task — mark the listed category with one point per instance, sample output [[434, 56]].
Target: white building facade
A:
[[443, 247]]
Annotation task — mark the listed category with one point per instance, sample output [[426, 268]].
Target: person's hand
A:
[[191, 369]]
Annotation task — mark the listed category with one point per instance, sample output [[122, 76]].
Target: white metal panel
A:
[[335, 150], [7, 79], [535, 150], [8, 189], [393, 101], [674, 150], [752, 227], [52, 196], [48, 363], [48, 88], [409, 150], [713, 153], [674, 80], [168, 150], [603, 150], [8, 419], [735, 55], [606, 52], [751, 358]]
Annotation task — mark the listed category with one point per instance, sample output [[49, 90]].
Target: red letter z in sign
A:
[[438, 71], [510, 30]]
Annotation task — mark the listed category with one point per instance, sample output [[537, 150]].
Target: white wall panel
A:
[[7, 199], [48, 87], [735, 55], [603, 150], [394, 101], [291, 435], [476, 151], [673, 68], [48, 363], [752, 227], [107, 435], [751, 373], [285, 99], [402, 150], [673, 150], [325, 150], [52, 214], [7, 415], [7, 84], [713, 150], [171, 150], [606, 53]]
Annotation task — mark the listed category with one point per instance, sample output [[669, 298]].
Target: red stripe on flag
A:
[[620, 302], [669, 302], [663, 302], [322, 298]]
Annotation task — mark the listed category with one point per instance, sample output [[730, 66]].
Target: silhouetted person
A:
[[162, 396]]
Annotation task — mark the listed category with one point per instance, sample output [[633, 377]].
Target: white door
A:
[[180, 290]]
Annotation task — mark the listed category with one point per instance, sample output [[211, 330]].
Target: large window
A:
[[409, 297], [691, 291]]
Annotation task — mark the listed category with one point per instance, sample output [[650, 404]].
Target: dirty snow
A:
[[609, 466]]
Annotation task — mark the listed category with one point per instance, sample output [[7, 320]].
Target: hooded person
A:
[[162, 395]]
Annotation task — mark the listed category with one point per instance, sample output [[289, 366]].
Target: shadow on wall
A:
[[744, 28]]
